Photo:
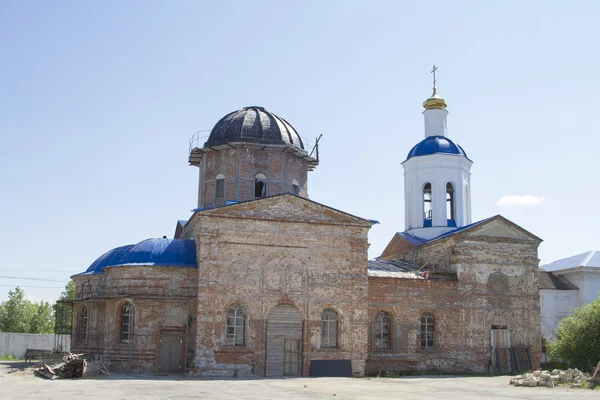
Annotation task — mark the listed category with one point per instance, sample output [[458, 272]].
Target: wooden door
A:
[[170, 353], [283, 357], [291, 357], [501, 356]]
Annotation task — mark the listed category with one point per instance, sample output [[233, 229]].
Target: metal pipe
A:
[[131, 325]]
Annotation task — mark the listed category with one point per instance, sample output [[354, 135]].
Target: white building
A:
[[567, 284]]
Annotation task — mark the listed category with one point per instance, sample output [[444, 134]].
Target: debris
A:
[[572, 377], [71, 367]]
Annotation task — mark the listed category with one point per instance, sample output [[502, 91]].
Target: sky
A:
[[98, 101]]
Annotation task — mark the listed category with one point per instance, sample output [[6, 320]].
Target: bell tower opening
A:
[[450, 205], [260, 186], [427, 209]]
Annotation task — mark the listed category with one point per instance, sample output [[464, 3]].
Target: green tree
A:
[[42, 318], [578, 338], [22, 316]]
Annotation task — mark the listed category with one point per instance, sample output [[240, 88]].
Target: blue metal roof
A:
[[419, 241], [149, 252], [434, 145]]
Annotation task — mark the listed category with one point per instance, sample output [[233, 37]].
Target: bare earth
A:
[[18, 385]]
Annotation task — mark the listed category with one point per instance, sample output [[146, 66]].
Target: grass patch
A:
[[400, 374], [9, 357]]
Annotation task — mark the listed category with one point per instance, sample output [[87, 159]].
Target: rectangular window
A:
[[220, 188], [296, 190]]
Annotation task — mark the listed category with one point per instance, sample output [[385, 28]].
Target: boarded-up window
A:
[[235, 326], [382, 331], [427, 325], [126, 322], [329, 328]]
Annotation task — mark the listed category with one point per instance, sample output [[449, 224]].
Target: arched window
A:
[[427, 325], [450, 204], [427, 210], [83, 326], [329, 329], [382, 331], [295, 187], [235, 326], [126, 322], [260, 186], [220, 186]]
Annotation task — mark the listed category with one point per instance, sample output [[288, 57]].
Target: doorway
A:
[[284, 342], [170, 360]]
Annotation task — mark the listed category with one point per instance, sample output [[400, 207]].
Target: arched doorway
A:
[[284, 341]]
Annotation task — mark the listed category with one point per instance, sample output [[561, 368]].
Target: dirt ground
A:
[[15, 384]]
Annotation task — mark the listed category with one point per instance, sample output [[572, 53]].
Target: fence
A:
[[16, 344]]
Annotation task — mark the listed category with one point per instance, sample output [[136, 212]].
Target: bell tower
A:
[[437, 177]]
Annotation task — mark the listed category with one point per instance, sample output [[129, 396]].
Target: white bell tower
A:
[[437, 177]]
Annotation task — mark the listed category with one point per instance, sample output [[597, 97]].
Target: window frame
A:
[[127, 312], [427, 331], [237, 337], [329, 329], [380, 325]]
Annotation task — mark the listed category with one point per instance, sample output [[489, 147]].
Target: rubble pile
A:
[[571, 377], [71, 366]]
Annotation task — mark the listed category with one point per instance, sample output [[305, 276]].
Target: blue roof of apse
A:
[[434, 145], [149, 252], [418, 241]]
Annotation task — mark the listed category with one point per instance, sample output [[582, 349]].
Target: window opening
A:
[[329, 329], [220, 186], [235, 326], [427, 210], [427, 325], [127, 323], [382, 331], [450, 205], [295, 187], [260, 186]]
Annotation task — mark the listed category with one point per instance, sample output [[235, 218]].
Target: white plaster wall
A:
[[437, 169], [550, 304], [587, 279], [17, 344]]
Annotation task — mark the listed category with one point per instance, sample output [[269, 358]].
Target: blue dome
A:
[[149, 252], [435, 144]]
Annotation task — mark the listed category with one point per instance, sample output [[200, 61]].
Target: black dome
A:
[[253, 125]]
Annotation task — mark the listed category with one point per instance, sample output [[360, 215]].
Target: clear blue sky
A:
[[99, 99]]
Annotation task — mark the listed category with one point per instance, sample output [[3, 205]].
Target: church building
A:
[[261, 280]]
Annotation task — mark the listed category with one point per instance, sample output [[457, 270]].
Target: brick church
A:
[[263, 281]]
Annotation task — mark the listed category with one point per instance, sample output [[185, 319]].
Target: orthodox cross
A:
[[433, 72]]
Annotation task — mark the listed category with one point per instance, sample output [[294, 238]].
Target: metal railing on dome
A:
[[199, 138]]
